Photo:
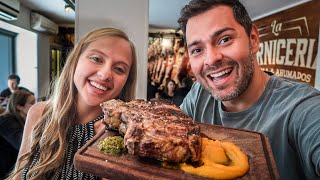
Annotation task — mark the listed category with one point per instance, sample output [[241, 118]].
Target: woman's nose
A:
[[105, 73]]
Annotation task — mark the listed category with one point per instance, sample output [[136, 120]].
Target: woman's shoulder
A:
[[36, 111], [34, 115], [6, 119], [38, 106], [164, 95], [6, 116]]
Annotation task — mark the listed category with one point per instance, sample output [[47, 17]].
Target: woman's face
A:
[[171, 86], [24, 109], [102, 70]]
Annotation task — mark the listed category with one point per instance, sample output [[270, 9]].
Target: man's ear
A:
[[254, 39]]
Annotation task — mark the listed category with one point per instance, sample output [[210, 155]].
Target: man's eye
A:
[[195, 51], [224, 40]]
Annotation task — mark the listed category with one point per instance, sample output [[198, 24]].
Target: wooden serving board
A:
[[255, 145]]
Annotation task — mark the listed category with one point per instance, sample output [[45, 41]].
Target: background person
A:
[[13, 85], [102, 66], [157, 94], [182, 91], [169, 92], [233, 91], [11, 128], [152, 88]]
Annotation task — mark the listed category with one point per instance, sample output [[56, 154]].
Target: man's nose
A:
[[213, 55]]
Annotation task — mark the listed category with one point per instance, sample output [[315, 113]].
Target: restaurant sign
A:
[[289, 42]]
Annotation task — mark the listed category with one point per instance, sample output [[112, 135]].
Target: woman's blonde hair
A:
[[50, 133]]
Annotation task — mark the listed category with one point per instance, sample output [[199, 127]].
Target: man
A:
[[233, 91], [13, 84]]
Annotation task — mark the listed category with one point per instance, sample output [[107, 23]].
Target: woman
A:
[[169, 92], [11, 125], [102, 66]]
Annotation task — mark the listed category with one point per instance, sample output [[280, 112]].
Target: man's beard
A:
[[240, 84]]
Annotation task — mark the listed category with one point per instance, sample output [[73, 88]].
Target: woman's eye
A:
[[96, 59], [120, 70]]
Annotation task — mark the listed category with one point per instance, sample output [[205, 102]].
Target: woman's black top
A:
[[11, 132], [78, 136]]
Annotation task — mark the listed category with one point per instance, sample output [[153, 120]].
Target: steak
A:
[[154, 129]]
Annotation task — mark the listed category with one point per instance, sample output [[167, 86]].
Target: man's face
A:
[[220, 53], [12, 84]]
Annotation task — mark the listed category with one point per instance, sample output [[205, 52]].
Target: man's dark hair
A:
[[14, 76], [196, 7]]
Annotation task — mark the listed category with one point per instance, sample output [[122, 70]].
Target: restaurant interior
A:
[[36, 37], [40, 34]]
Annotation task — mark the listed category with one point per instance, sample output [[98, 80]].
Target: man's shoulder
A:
[[293, 94], [23, 88], [293, 87], [5, 93]]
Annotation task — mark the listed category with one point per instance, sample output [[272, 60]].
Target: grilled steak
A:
[[154, 129]]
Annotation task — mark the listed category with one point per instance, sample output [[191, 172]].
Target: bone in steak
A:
[[154, 129]]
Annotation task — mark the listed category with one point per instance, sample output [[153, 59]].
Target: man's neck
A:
[[12, 90], [250, 96]]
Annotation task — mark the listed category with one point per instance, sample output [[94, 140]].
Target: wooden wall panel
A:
[[289, 42]]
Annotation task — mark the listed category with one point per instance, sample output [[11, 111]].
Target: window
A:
[[7, 58]]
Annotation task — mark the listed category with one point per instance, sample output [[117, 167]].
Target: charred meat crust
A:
[[154, 129]]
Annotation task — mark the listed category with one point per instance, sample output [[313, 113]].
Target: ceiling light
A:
[[67, 8], [166, 43]]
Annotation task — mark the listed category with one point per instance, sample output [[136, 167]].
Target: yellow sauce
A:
[[221, 160]]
